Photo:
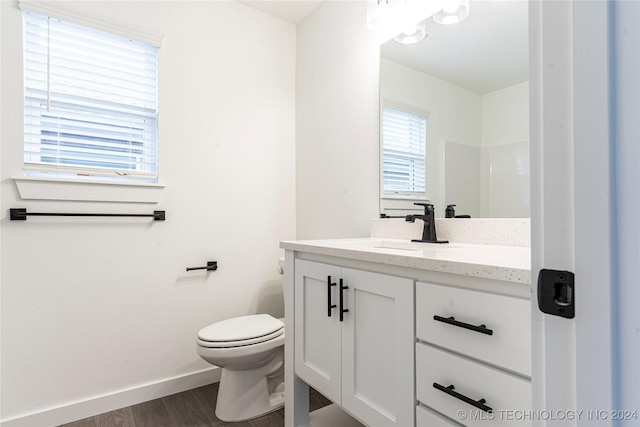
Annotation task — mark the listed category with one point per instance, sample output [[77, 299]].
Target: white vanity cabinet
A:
[[365, 361], [413, 316], [473, 355]]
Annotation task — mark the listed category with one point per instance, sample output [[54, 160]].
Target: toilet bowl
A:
[[250, 351]]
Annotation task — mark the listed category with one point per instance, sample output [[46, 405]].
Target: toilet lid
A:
[[241, 329], [241, 343]]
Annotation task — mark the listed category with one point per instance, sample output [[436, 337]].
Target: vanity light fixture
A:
[[454, 12], [383, 15], [388, 18], [412, 35]]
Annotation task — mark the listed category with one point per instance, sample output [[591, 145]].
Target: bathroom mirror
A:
[[470, 80]]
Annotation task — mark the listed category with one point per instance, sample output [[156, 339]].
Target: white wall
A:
[[462, 178], [336, 122], [505, 153], [505, 115], [0, 227], [95, 307]]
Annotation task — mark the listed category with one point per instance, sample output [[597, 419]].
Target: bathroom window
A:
[[404, 140], [90, 102]]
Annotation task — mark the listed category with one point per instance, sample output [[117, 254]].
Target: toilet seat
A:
[[240, 331]]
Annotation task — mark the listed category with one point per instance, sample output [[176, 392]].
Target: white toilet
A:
[[250, 351]]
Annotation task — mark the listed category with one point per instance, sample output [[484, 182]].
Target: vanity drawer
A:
[[428, 418], [508, 320], [506, 394]]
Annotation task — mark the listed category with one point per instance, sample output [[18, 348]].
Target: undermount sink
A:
[[407, 245], [404, 246]]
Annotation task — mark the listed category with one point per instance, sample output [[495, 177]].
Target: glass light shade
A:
[[455, 12], [412, 35], [381, 12]]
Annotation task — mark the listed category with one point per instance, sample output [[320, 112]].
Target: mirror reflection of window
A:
[[403, 159], [404, 143]]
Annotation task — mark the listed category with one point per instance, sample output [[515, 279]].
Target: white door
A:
[[317, 328], [577, 195], [378, 339], [626, 15]]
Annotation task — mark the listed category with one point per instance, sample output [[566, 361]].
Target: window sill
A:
[[396, 206], [37, 188]]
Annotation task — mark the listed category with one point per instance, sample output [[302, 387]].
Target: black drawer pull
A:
[[480, 404], [452, 321], [329, 305], [342, 309]]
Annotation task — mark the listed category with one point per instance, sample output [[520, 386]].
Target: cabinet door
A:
[[377, 347], [317, 336]]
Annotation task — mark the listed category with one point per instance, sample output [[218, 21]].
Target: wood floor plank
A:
[[317, 400], [185, 411], [274, 419], [192, 408], [205, 397], [118, 418], [151, 414], [86, 422]]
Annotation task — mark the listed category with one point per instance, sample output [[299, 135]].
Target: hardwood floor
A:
[[192, 408]]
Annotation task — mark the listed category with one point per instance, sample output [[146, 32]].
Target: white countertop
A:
[[506, 263]]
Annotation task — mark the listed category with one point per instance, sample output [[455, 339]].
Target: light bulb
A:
[[412, 34], [450, 14]]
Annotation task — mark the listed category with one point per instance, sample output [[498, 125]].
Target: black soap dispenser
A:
[[450, 212]]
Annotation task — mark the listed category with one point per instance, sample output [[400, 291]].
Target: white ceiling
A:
[[293, 11], [487, 51]]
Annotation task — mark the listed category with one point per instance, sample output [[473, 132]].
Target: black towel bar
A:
[[211, 266], [18, 214]]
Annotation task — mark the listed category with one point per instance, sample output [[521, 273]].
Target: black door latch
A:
[[556, 293]]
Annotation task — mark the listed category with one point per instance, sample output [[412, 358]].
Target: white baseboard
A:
[[78, 410]]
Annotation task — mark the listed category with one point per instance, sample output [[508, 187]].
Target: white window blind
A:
[[404, 139], [90, 101]]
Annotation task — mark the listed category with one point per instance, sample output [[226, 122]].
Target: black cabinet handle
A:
[[452, 321], [329, 305], [342, 309], [480, 404]]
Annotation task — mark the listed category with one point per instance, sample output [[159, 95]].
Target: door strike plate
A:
[[556, 293]]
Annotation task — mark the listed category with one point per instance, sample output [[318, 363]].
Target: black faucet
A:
[[450, 212], [429, 230]]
